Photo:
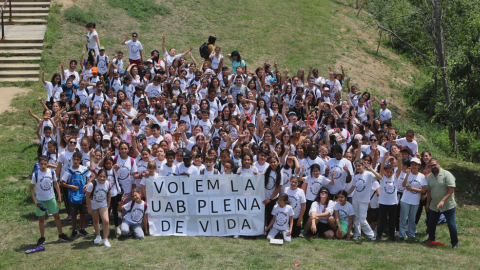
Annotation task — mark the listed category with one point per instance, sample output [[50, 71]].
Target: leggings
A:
[[64, 191], [421, 206], [113, 207]]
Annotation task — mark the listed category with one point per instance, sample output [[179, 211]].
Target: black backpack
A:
[[204, 50]]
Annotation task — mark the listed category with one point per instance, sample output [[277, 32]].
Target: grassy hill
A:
[[295, 35]]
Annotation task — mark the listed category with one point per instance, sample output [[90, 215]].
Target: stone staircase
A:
[[20, 51]]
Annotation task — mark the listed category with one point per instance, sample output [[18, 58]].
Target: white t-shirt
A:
[[124, 173], [261, 168], [363, 185], [270, 187], [134, 49], [53, 91], [344, 212], [44, 184], [282, 217], [388, 191], [314, 185], [296, 198], [367, 149], [145, 179], [153, 90], [206, 125], [167, 171], [91, 42], [136, 215], [385, 115], [112, 179], [192, 170], [319, 208], [340, 174], [84, 99], [141, 167], [171, 58], [373, 195], [66, 159], [307, 162], [401, 177], [287, 175], [67, 75], [100, 195], [216, 61], [415, 181], [411, 145], [251, 171]]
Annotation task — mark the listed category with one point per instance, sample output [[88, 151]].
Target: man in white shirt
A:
[[70, 71], [186, 168], [135, 49]]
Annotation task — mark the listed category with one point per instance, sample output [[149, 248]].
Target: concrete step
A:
[[36, 1], [16, 10], [18, 73], [26, 15], [23, 40], [21, 45], [24, 21], [20, 52], [19, 79], [28, 4], [20, 66], [19, 59]]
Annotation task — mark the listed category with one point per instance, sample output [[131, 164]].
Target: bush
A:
[[140, 9], [77, 15]]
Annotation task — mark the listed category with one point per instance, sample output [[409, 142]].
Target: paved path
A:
[[25, 31]]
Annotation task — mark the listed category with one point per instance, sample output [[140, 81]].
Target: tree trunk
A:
[[434, 97], [437, 10]]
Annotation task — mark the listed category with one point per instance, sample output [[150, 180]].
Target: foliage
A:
[[78, 15], [142, 10]]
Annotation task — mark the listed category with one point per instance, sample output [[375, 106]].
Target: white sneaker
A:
[[235, 237], [106, 243], [97, 240], [118, 231]]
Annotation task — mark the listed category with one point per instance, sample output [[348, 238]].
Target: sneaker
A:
[[48, 214], [106, 243], [394, 239], [455, 247], [74, 235], [302, 234], [373, 238], [118, 231], [235, 236], [63, 238], [83, 232], [401, 240], [97, 240], [356, 238], [413, 239], [69, 218], [41, 241]]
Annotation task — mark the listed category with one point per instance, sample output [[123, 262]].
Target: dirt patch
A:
[[8, 93], [65, 3]]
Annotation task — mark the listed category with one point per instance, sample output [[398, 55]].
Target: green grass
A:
[[294, 34]]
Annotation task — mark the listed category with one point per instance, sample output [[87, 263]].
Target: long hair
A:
[[278, 177]]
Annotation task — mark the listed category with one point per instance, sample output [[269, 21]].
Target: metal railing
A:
[[1, 13]]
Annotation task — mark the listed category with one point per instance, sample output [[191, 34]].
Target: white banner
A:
[[206, 205]]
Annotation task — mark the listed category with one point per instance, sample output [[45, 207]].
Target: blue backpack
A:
[[76, 179]]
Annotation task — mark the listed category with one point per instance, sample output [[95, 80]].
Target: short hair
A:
[[77, 154], [151, 165], [170, 153], [47, 128], [44, 158], [210, 158]]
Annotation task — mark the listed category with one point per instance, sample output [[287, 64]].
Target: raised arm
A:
[[187, 51], [126, 37], [163, 44]]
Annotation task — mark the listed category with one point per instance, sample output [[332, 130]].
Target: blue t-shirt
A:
[[69, 91], [235, 64]]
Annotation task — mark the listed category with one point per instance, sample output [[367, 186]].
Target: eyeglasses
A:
[[373, 140]]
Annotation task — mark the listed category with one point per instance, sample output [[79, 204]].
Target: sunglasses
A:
[[72, 142], [324, 191], [134, 36], [373, 140]]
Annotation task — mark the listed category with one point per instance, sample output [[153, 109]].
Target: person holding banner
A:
[[186, 167]]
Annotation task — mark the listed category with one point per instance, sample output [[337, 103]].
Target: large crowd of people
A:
[[332, 163]]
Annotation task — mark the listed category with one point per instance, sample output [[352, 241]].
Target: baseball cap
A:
[[187, 154], [416, 160], [149, 61], [291, 113], [381, 130], [209, 70], [272, 80], [115, 71], [383, 102], [340, 121], [106, 138], [102, 48], [141, 137], [94, 70]]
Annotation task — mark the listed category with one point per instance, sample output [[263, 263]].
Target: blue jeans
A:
[[135, 228], [407, 212], [433, 217]]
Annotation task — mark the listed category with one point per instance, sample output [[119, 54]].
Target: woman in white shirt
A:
[[217, 59], [93, 41]]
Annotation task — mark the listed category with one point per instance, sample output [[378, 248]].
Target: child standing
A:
[[282, 220], [388, 199], [273, 185], [137, 211], [98, 202], [247, 168], [148, 174], [44, 181]]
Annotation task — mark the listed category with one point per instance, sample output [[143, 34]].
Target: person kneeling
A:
[[321, 220], [137, 211]]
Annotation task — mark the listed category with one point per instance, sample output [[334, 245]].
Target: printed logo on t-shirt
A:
[[315, 188], [414, 183], [123, 173], [389, 187], [281, 219], [293, 201], [360, 185], [136, 215], [46, 183], [100, 195], [271, 183], [338, 171], [342, 214], [134, 48]]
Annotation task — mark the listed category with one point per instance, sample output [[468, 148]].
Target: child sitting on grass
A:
[[137, 211], [282, 220]]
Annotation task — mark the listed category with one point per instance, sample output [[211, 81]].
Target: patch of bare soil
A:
[[8, 93]]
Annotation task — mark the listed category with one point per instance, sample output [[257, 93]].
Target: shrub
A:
[[77, 15], [140, 9]]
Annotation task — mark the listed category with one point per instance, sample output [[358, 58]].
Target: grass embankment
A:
[[295, 35]]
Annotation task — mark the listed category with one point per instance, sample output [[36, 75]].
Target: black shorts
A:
[[373, 214], [322, 228], [75, 209]]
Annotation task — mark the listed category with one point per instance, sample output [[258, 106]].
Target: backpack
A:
[[95, 186], [204, 50], [40, 148], [202, 171], [133, 203], [36, 173], [76, 179]]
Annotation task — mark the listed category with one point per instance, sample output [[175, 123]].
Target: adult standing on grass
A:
[[135, 49], [441, 200], [93, 41]]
